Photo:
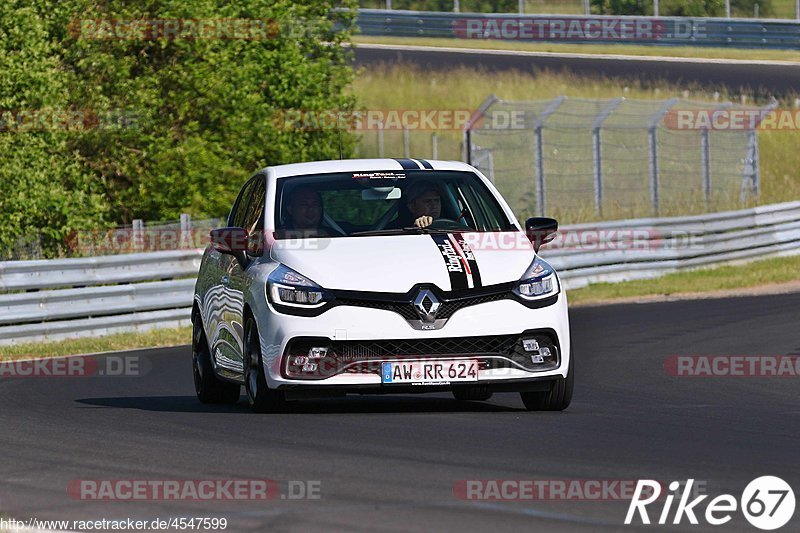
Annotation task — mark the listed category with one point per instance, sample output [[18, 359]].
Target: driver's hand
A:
[[422, 222]]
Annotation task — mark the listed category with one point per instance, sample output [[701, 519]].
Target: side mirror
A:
[[233, 241], [540, 230], [229, 240]]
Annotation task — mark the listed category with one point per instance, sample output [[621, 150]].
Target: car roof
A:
[[361, 165]]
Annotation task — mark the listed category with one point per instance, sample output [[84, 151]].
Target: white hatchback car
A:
[[378, 276]]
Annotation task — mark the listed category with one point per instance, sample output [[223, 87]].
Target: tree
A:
[[168, 124]]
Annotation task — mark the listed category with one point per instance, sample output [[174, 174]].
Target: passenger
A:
[[304, 209]]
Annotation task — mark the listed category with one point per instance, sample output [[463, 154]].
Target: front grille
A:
[[354, 350], [406, 309], [492, 351], [450, 307]]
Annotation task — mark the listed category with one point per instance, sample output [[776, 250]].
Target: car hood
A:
[[398, 262]]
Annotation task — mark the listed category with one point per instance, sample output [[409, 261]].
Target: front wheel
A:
[[261, 398], [557, 398], [208, 387]]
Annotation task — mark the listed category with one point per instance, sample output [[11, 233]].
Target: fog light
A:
[[530, 345], [310, 367], [317, 352], [545, 351], [537, 359], [300, 360]]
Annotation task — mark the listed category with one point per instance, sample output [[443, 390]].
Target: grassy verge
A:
[[572, 48], [756, 274], [118, 341]]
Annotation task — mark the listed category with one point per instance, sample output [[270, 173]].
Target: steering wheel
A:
[[446, 223]]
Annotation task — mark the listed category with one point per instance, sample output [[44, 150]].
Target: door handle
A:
[[225, 280]]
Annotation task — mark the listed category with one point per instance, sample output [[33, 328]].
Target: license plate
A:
[[429, 372]]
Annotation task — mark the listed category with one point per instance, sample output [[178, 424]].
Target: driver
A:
[[424, 205]]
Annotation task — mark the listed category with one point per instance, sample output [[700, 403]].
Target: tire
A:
[[208, 387], [557, 398], [261, 398], [471, 394]]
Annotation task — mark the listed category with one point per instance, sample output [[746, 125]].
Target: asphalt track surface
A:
[[390, 463], [764, 78]]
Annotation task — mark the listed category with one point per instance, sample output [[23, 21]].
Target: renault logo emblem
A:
[[427, 305]]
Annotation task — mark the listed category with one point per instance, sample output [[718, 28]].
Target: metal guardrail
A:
[[90, 296], [672, 31], [49, 300], [646, 248]]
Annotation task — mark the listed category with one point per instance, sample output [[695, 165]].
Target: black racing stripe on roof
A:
[[425, 164], [407, 164]]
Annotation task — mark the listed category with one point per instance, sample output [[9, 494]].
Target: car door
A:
[[253, 222], [228, 300]]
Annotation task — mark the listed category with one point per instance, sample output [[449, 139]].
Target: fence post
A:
[[406, 142], [539, 121], [434, 146], [456, 6], [388, 4], [751, 178], [587, 7], [186, 231], [540, 197], [137, 234], [651, 135], [466, 143], [705, 161], [380, 140], [597, 152], [752, 163], [655, 8], [521, 7], [652, 142]]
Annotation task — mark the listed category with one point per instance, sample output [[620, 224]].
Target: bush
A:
[[194, 118]]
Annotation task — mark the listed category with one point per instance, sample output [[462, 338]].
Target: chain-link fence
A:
[[618, 157]]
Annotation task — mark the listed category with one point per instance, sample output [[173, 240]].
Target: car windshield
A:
[[356, 204]]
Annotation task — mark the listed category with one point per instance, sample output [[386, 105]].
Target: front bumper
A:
[[344, 326]]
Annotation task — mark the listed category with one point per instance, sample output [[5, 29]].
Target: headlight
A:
[[538, 282], [289, 288]]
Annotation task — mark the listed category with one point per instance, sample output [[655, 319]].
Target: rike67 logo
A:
[[767, 503]]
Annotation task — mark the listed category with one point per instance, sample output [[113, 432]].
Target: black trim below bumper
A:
[[297, 392]]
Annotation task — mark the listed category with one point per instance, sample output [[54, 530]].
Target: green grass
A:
[[118, 341], [755, 274], [780, 8], [404, 86], [616, 49]]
